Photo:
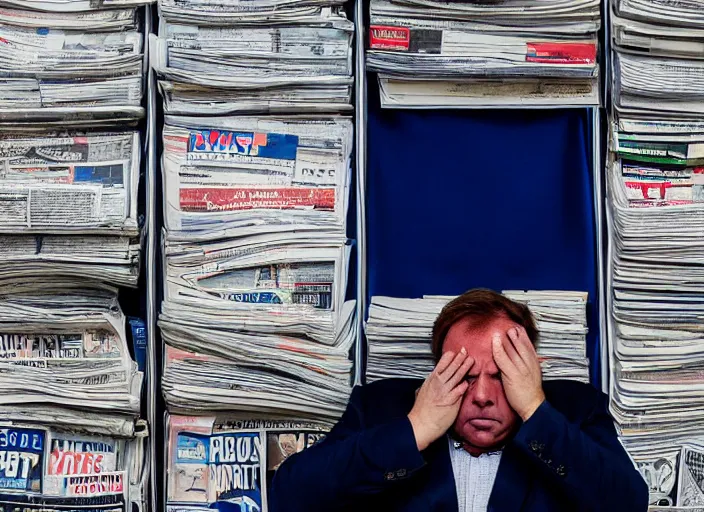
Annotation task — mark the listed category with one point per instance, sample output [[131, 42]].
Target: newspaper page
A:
[[111, 259], [253, 174], [212, 459], [468, 55], [49, 470], [64, 183]]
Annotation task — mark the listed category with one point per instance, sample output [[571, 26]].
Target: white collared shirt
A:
[[474, 477]]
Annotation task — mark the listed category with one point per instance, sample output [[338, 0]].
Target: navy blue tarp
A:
[[496, 199]]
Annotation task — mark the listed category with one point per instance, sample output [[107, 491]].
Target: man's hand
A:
[[520, 371], [439, 398]]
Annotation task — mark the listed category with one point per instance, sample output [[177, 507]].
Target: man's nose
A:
[[483, 395]]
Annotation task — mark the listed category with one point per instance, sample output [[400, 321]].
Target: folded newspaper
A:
[[52, 470], [245, 175], [76, 8], [289, 273], [69, 183], [68, 203], [70, 65], [399, 332], [432, 54], [244, 12], [63, 344], [258, 323], [657, 66], [124, 17], [280, 376], [110, 259]]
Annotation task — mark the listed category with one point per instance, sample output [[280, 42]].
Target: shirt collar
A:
[[458, 444]]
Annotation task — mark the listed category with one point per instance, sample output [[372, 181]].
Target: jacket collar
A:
[[441, 479], [512, 482], [510, 487]]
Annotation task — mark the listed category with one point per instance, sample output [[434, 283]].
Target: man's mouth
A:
[[483, 423]]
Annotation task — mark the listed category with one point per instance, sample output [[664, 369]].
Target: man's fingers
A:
[[458, 391], [518, 344], [461, 372], [452, 368], [499, 352], [444, 362], [520, 340], [524, 346], [511, 352]]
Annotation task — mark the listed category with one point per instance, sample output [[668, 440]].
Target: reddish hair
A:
[[482, 305]]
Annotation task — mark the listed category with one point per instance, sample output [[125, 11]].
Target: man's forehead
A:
[[476, 335]]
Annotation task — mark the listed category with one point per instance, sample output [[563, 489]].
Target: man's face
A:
[[485, 419]]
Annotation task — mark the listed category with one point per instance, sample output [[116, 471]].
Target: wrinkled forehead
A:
[[476, 335]]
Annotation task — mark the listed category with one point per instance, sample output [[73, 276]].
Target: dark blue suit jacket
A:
[[566, 457]]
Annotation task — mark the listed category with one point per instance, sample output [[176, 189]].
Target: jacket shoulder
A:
[[400, 386], [385, 399], [576, 400]]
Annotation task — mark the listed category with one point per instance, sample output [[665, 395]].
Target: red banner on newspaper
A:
[[383, 37], [233, 199], [561, 53], [94, 485]]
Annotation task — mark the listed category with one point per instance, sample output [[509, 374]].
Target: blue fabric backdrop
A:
[[496, 199]]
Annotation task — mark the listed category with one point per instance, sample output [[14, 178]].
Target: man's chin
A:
[[484, 438]]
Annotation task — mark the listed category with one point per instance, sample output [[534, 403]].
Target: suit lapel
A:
[[442, 495], [512, 483]]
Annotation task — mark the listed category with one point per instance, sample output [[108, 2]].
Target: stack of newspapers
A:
[[71, 80], [68, 205], [254, 317], [658, 70], [399, 334], [222, 56], [71, 399], [256, 171], [71, 62], [438, 54], [254, 313], [656, 354], [657, 272], [656, 224]]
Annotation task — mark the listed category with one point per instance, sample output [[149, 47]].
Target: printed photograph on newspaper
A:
[[226, 463], [42, 469]]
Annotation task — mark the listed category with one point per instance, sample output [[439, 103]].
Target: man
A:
[[482, 432]]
